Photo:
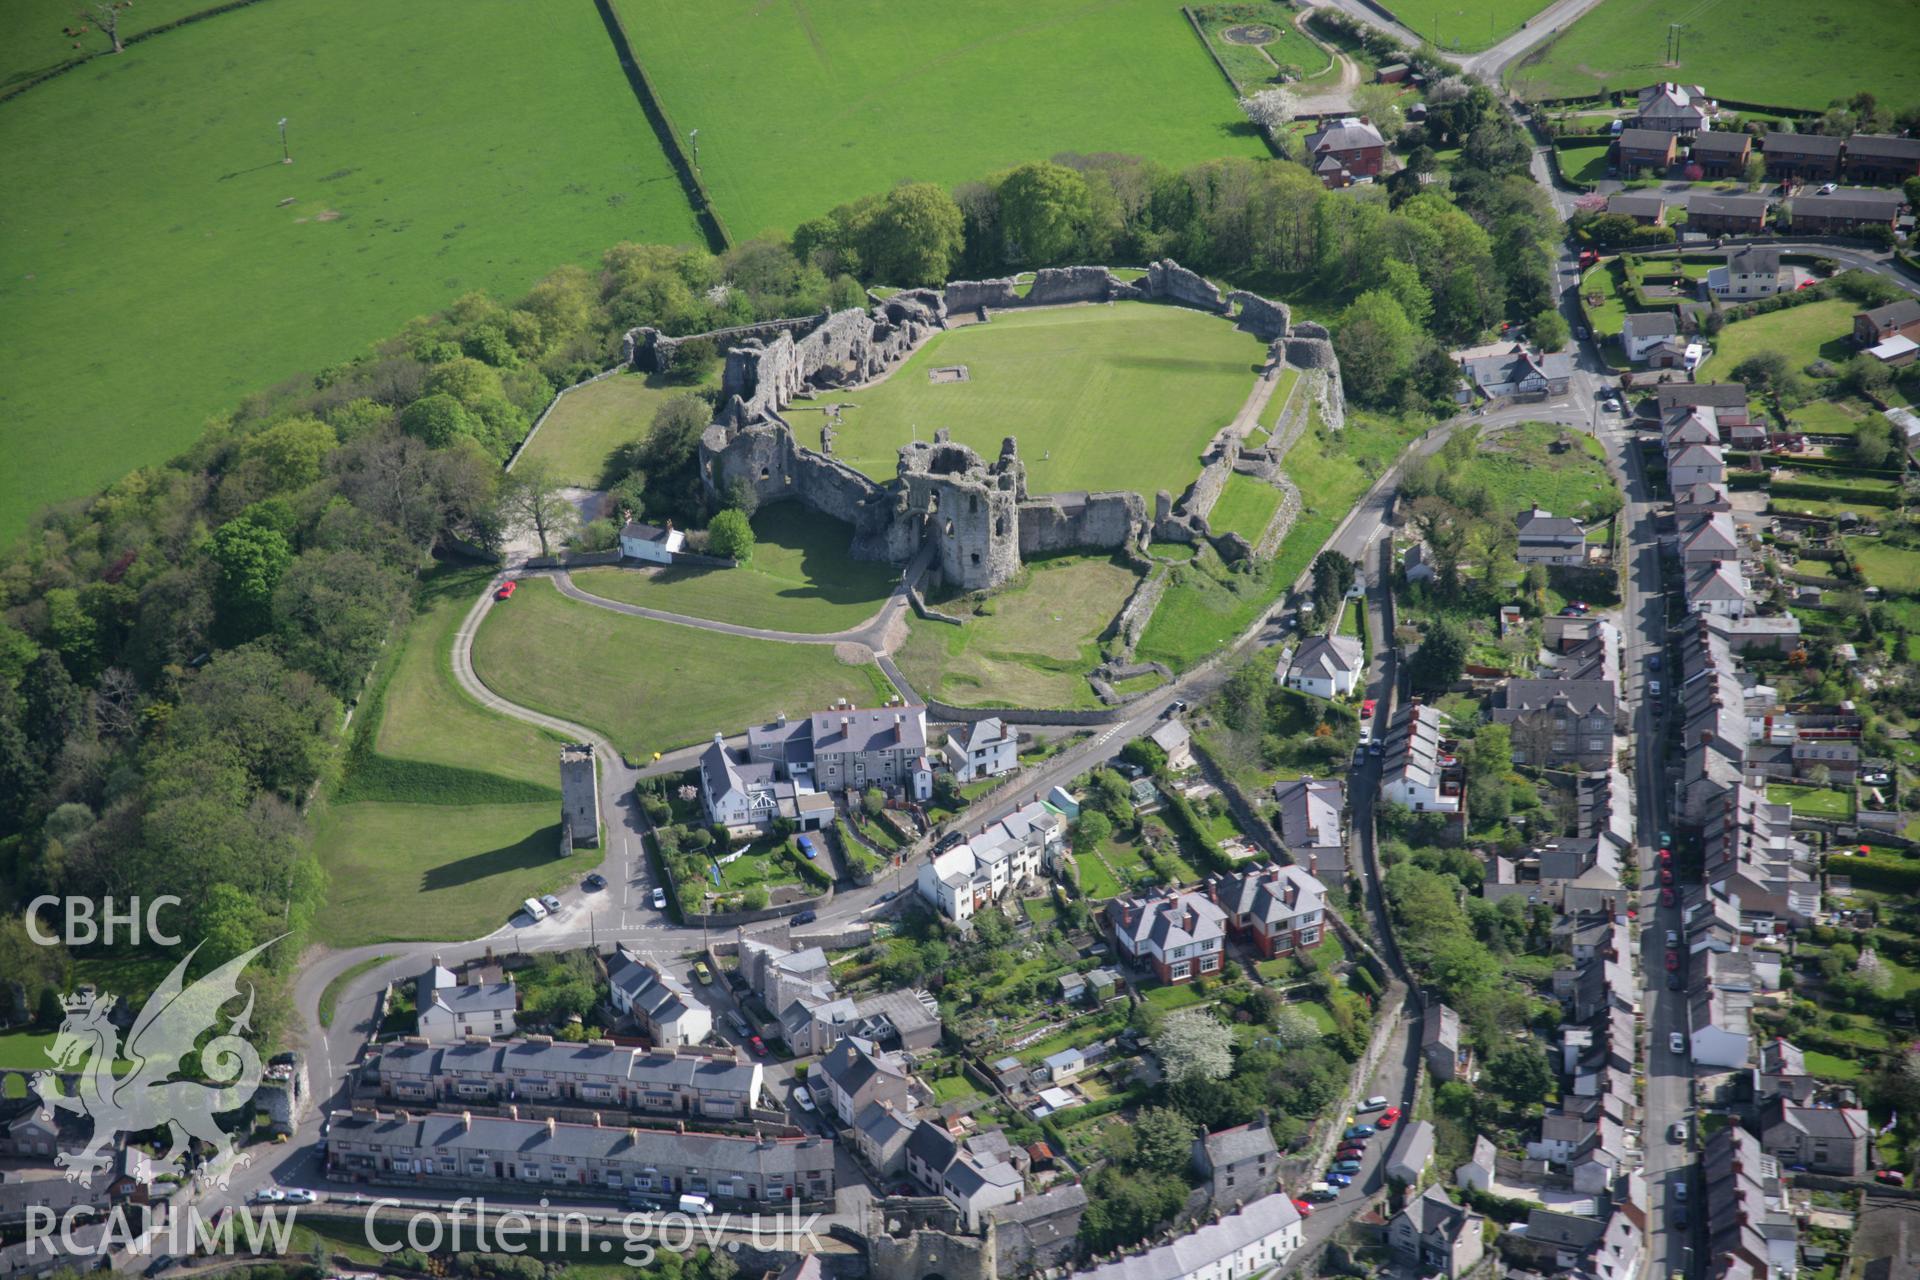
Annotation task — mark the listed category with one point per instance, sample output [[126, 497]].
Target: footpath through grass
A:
[[800, 579], [1030, 645], [652, 686], [1767, 51], [1102, 397], [801, 107], [157, 268]]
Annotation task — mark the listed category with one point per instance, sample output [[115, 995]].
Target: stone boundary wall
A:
[[727, 919], [1133, 616], [552, 404], [648, 350], [74, 64], [1022, 715]]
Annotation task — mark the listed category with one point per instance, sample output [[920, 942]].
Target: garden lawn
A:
[[761, 864], [651, 686], [26, 1050], [1606, 279], [588, 424], [1520, 469], [415, 872], [800, 579], [1831, 417], [1245, 507], [1890, 568], [1761, 51], [1254, 68], [422, 169], [1828, 1067], [816, 104], [1586, 164], [1029, 645], [1816, 330], [1114, 397], [1812, 802]]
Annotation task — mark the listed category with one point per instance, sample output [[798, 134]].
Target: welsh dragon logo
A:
[[140, 1087]]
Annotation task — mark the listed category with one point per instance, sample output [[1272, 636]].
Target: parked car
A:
[[302, 1196], [1366, 709], [659, 899], [1666, 875], [1892, 1177], [807, 850], [806, 917], [1350, 1153], [1377, 1102], [738, 1024], [1653, 662], [1359, 1131], [1653, 688], [269, 1195], [1323, 1195], [506, 590], [1673, 961], [1674, 982], [594, 883], [1348, 1167], [1676, 1042], [888, 896], [158, 1265], [803, 1096], [1673, 937], [1677, 1131], [1680, 1188], [704, 974], [1339, 1180], [1667, 898], [1303, 1208], [550, 902], [758, 1046], [1388, 1118]]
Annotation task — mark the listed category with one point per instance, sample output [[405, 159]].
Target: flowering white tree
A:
[[1194, 1045], [1271, 109], [1872, 971], [1294, 1029]]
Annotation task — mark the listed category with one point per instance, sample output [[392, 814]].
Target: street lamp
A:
[[286, 156]]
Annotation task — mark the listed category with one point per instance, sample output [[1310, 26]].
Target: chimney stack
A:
[[466, 1121]]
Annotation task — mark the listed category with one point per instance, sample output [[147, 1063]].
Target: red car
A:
[[1304, 1209], [1666, 875], [758, 1046], [1350, 1153], [1673, 961], [1666, 855], [1666, 898], [1891, 1176], [506, 590], [1388, 1118], [1366, 709]]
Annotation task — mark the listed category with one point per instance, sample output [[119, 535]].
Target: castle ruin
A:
[[977, 515], [579, 796]]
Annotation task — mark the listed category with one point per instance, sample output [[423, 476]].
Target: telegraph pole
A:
[[286, 156]]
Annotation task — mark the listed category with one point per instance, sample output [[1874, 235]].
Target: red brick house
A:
[[1880, 160], [1721, 155], [1280, 910], [1714, 214], [1895, 320], [1810, 157], [1180, 936], [1849, 209], [1345, 151], [1648, 149]]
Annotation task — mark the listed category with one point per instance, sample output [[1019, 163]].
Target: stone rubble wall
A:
[[648, 350], [1260, 316], [1056, 522]]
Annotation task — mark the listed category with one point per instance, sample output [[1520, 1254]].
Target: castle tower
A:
[[580, 794]]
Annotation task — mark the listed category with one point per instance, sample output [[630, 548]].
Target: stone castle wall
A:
[[648, 350], [978, 515]]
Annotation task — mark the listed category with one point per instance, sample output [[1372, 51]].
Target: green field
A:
[[651, 686], [33, 35], [1245, 506], [1467, 26], [1813, 331], [1892, 569], [1812, 802], [801, 107], [800, 579], [1520, 469], [1030, 645], [152, 273], [1765, 51], [589, 424], [1112, 397]]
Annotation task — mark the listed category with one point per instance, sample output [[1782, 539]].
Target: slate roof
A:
[[1164, 920], [1716, 395], [1541, 525], [1803, 144], [1637, 204], [643, 532], [1345, 135], [1720, 143], [1203, 1249], [1645, 139], [1310, 812], [1755, 260], [1651, 324], [1882, 146], [1581, 697], [1248, 1141], [1328, 657], [528, 1057], [1852, 202], [882, 729], [1895, 315], [1262, 894], [1714, 204]]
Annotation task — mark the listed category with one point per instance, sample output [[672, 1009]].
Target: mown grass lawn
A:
[[1803, 334], [26, 1050], [402, 872], [588, 425], [1894, 569], [816, 104], [1029, 645], [422, 170], [1812, 802], [1245, 507], [800, 578], [1831, 417], [1765, 51], [1112, 397], [651, 686], [1586, 164]]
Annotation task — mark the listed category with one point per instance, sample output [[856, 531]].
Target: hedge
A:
[[1186, 825], [1873, 873], [1821, 491], [1749, 479]]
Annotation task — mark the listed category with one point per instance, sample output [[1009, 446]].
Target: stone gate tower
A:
[[579, 795]]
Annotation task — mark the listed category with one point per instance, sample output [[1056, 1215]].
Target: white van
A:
[[536, 912], [696, 1205]]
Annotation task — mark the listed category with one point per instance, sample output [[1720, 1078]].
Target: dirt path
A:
[[1329, 100]]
